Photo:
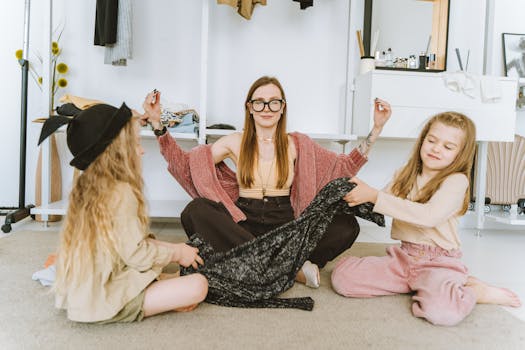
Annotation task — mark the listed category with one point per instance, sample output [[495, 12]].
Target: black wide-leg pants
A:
[[212, 222]]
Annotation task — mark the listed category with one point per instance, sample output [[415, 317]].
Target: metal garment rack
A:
[[23, 210]]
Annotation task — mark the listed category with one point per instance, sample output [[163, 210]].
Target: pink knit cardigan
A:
[[315, 166]]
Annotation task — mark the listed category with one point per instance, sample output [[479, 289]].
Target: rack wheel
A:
[[506, 207], [521, 205], [486, 209], [6, 228]]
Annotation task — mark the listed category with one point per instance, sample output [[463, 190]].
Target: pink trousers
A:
[[437, 276]]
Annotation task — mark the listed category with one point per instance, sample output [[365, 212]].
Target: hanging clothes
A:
[[256, 272], [245, 7], [106, 22], [118, 53], [305, 3]]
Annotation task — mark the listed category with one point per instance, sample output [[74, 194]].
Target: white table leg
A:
[[481, 181]]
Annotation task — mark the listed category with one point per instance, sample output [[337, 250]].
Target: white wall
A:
[[11, 21], [306, 50], [508, 18], [307, 54]]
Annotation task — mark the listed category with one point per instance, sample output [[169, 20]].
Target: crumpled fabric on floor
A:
[[256, 272], [46, 277]]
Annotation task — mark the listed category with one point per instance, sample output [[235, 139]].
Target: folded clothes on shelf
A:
[[189, 123]]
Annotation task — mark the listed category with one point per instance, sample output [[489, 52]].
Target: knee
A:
[[200, 287], [341, 283], [195, 206], [337, 283], [352, 229]]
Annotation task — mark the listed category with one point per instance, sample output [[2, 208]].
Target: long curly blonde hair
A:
[[87, 230], [406, 178]]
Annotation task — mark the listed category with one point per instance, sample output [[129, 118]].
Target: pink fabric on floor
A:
[[437, 277]]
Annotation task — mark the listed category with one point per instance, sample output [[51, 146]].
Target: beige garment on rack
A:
[[245, 6], [79, 102]]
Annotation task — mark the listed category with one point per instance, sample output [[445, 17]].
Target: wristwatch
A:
[[160, 132]]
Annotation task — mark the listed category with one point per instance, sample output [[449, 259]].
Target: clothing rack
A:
[[23, 210]]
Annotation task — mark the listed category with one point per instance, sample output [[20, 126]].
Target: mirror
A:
[[421, 30]]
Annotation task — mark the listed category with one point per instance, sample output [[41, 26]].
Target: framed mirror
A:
[[421, 30]]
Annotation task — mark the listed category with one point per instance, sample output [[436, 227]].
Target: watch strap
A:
[[160, 132]]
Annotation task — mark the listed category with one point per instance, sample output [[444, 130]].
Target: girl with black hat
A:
[[107, 264]]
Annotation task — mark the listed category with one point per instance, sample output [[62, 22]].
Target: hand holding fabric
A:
[[186, 255], [361, 193]]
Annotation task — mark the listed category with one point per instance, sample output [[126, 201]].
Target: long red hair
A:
[[249, 153]]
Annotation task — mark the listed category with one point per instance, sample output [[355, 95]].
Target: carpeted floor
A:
[[28, 319]]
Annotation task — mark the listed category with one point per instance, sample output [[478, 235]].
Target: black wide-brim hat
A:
[[89, 132]]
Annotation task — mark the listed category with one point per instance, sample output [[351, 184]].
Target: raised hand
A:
[[152, 111], [382, 113]]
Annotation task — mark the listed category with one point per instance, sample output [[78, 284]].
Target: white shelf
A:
[[320, 137], [178, 135], [157, 208], [342, 138], [219, 132], [54, 208], [506, 218]]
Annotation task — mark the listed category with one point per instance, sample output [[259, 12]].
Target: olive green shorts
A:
[[131, 312]]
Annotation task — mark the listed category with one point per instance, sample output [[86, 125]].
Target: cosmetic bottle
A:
[[431, 61], [367, 64], [422, 61], [379, 59], [389, 60], [412, 62]]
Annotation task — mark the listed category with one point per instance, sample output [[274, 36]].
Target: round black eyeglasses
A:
[[273, 105]]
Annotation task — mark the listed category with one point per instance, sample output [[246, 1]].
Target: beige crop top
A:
[[265, 180]]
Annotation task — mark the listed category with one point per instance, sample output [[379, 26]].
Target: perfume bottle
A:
[[379, 59], [431, 61], [422, 61], [389, 60], [412, 62]]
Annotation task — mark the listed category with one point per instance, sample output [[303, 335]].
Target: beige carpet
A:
[[28, 319]]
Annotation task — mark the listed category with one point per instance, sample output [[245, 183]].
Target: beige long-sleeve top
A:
[[103, 293], [435, 222]]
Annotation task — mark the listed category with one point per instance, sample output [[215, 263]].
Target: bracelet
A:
[[160, 132]]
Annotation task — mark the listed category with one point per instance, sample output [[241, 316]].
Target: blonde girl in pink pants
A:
[[425, 199]]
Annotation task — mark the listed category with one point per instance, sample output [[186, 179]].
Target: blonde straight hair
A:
[[249, 153], [405, 180], [89, 221]]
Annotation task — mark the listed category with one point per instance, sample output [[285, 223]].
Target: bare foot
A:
[[187, 308], [487, 294]]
